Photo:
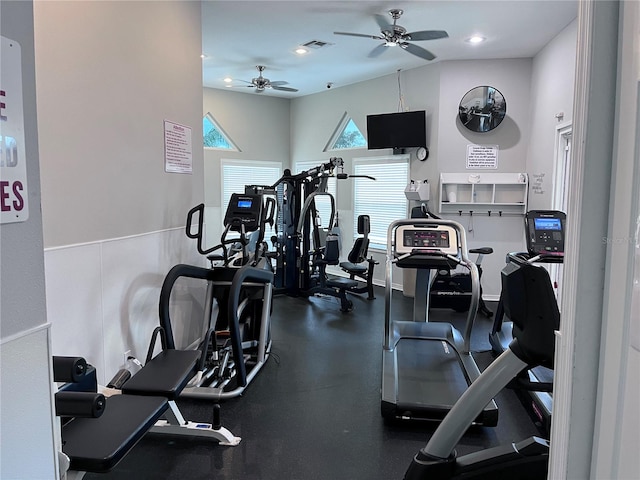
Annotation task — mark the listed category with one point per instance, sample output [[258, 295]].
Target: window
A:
[[238, 173], [323, 204], [347, 135], [383, 199], [214, 137]]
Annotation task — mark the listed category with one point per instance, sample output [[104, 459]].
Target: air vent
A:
[[316, 44]]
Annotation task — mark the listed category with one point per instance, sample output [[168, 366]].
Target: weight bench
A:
[[97, 432]]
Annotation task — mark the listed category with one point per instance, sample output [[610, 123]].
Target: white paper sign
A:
[[482, 156], [14, 206], [178, 154]]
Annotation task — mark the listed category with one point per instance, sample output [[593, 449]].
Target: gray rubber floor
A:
[[313, 412]]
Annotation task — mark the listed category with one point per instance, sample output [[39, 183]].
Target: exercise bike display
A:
[[529, 301], [426, 365], [544, 230]]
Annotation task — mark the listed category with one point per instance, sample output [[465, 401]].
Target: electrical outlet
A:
[[127, 354]]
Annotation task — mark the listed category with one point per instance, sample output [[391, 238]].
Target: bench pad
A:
[[98, 444], [165, 375]]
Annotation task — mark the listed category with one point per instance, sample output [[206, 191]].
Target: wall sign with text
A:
[[13, 166], [178, 152], [482, 156]]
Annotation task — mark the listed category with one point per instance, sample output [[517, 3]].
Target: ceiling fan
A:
[[261, 83], [395, 35]]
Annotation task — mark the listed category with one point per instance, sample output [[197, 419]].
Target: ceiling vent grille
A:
[[316, 44]]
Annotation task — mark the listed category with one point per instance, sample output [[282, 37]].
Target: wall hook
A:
[[460, 213]]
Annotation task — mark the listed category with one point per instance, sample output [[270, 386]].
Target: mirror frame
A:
[[482, 109]]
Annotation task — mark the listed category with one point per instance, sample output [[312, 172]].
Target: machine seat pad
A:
[[482, 250], [340, 282], [353, 268], [98, 444], [165, 375]]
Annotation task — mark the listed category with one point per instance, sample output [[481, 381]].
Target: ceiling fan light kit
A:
[[394, 35], [260, 83]]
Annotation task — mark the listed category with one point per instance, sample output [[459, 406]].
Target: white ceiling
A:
[[238, 35]]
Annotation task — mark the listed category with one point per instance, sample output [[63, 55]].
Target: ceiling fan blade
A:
[[279, 83], [383, 23], [375, 37], [379, 50], [427, 35], [418, 51], [284, 89]]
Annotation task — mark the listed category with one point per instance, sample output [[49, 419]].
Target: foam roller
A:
[[69, 369], [80, 404]]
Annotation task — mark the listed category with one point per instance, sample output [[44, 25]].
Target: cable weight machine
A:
[[299, 239]]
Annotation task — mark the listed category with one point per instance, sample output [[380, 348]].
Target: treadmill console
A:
[[545, 232], [244, 209], [423, 240]]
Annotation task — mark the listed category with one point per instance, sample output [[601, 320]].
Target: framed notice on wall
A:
[[482, 156], [178, 152], [14, 206]]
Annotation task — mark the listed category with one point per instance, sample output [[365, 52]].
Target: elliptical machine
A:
[[235, 335], [529, 301]]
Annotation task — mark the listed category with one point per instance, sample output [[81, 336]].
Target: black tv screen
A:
[[397, 130]]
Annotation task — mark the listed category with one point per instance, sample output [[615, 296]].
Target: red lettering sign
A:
[[2, 106], [8, 201]]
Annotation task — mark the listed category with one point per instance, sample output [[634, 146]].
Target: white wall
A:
[[28, 431], [552, 86], [585, 284], [512, 77], [109, 74], [314, 119], [259, 125], [617, 433]]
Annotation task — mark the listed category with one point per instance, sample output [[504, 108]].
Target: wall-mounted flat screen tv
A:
[[397, 130]]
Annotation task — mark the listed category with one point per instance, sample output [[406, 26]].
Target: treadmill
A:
[[544, 231], [427, 366]]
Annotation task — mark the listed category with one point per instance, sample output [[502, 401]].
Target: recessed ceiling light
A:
[[476, 39], [227, 79], [301, 51], [203, 56]]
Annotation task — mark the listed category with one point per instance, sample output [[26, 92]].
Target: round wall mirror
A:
[[482, 109]]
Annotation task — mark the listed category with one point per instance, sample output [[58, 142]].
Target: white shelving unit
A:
[[480, 192]]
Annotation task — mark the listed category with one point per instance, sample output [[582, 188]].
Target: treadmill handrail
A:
[[462, 260]]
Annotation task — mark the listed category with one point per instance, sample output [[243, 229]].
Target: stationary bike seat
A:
[[481, 250]]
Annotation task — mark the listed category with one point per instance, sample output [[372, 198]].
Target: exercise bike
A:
[[529, 301], [451, 289], [544, 231]]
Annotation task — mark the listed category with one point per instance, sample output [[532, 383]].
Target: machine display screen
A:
[[545, 232], [246, 203], [426, 239], [547, 224]]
